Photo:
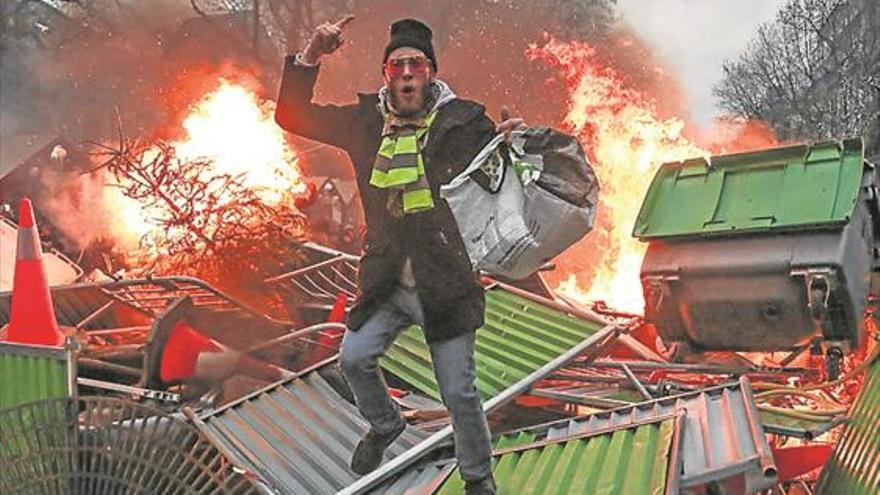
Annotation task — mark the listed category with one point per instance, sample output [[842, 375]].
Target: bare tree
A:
[[207, 224], [813, 73]]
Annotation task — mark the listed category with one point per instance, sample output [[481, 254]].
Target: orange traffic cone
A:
[[32, 318], [337, 314], [328, 340], [178, 353]]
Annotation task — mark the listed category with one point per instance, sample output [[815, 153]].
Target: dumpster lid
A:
[[792, 187]]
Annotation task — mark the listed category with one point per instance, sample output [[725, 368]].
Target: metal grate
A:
[[101, 445], [318, 284]]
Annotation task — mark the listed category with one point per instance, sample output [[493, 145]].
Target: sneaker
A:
[[370, 450], [485, 486]]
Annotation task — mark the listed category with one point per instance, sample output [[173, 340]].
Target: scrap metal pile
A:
[[753, 370]]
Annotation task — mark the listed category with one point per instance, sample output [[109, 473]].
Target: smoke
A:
[[152, 67], [481, 53], [152, 62], [695, 38], [68, 77], [78, 209]]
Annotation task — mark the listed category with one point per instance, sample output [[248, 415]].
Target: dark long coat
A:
[[452, 299]]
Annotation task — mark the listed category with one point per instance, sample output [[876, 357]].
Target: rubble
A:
[[580, 398]]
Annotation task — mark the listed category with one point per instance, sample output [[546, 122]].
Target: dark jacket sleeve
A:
[[296, 113], [469, 140]]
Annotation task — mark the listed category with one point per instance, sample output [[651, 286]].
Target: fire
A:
[[619, 127], [236, 131], [233, 130]]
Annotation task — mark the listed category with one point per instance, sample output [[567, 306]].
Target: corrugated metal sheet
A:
[[426, 479], [298, 435], [31, 373], [854, 466], [798, 427], [639, 459], [723, 439], [632, 459], [519, 337]]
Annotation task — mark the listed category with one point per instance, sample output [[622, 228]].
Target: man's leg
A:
[[358, 358], [456, 372]]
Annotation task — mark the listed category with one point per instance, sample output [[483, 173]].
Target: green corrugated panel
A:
[[799, 427], [626, 461], [519, 337], [782, 188], [26, 379], [854, 466], [28, 374]]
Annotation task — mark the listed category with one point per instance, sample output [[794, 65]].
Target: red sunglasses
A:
[[397, 67]]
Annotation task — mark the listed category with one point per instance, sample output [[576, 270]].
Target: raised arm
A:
[[295, 111]]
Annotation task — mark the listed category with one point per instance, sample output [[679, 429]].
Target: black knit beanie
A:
[[411, 33]]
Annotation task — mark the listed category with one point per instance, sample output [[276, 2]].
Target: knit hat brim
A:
[[411, 33]]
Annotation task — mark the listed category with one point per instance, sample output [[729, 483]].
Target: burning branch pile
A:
[[205, 222]]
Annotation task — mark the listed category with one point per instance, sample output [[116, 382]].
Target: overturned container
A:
[[762, 251]]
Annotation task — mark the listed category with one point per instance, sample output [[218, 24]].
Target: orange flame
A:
[[233, 129], [627, 141], [236, 131]]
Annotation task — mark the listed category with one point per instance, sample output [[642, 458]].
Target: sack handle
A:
[[481, 157]]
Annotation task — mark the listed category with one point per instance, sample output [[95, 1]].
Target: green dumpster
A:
[[761, 251]]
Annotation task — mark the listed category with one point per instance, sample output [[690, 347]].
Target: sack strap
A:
[[481, 157]]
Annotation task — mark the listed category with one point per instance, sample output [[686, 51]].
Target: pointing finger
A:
[[344, 21]]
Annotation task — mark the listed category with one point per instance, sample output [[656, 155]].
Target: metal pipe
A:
[[686, 368], [308, 291], [768, 466], [307, 269], [71, 348], [425, 446], [129, 389], [343, 276], [294, 335], [583, 400], [173, 284], [331, 251], [95, 314], [123, 351], [336, 286], [109, 331], [111, 367], [635, 381]]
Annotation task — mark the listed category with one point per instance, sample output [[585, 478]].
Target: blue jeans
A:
[[454, 368]]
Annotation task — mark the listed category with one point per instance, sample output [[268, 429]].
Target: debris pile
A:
[[580, 398]]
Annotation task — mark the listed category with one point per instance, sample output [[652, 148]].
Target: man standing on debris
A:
[[404, 142]]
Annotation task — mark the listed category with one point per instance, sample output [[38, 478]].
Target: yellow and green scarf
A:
[[399, 163]]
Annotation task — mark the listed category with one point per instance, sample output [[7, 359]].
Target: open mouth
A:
[[407, 90]]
